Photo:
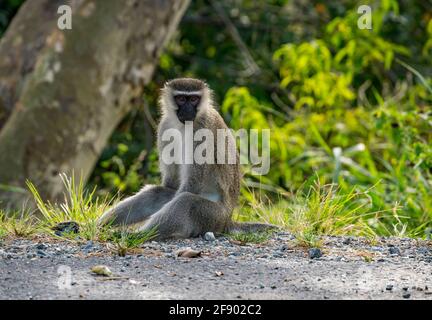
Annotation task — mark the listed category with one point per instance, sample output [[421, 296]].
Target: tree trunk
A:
[[62, 93]]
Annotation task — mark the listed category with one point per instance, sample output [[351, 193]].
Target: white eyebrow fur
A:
[[186, 93]]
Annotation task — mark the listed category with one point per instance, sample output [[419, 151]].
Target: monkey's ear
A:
[[205, 83], [168, 83]]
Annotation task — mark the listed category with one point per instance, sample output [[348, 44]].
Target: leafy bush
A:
[[348, 122]]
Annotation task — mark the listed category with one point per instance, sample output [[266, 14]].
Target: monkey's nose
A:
[[186, 113]]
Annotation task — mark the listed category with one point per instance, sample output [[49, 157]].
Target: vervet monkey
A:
[[193, 198]]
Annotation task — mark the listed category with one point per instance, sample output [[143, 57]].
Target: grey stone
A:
[[394, 250], [314, 253], [40, 246], [41, 253], [209, 236], [347, 241]]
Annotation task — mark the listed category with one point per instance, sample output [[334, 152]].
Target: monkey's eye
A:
[[194, 99], [180, 100]]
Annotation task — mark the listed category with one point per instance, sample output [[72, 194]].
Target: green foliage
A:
[[249, 237], [428, 45], [21, 224], [125, 242], [7, 9], [349, 122], [306, 70], [316, 210], [80, 206]]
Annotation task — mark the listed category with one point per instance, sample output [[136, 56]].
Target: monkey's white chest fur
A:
[[210, 189]]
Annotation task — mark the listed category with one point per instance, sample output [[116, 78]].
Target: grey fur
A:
[[184, 206], [186, 84]]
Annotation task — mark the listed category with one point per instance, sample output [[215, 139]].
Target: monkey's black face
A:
[[187, 106]]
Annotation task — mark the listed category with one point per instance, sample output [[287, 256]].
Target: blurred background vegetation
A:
[[345, 106]]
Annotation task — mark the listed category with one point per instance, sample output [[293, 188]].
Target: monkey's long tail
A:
[[249, 227]]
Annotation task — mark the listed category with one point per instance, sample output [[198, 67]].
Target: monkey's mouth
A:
[[186, 114]]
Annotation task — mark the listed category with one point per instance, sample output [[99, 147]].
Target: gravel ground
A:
[[344, 268]]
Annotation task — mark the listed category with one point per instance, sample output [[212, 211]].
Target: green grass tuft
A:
[[79, 205], [311, 213], [250, 237], [315, 212], [18, 224], [125, 241]]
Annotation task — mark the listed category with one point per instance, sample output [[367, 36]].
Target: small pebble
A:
[[394, 250], [41, 246], [406, 295], [188, 253], [88, 246], [283, 247], [101, 270], [233, 254], [423, 250], [209, 236], [66, 227], [314, 253], [347, 241], [40, 253], [389, 287]]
